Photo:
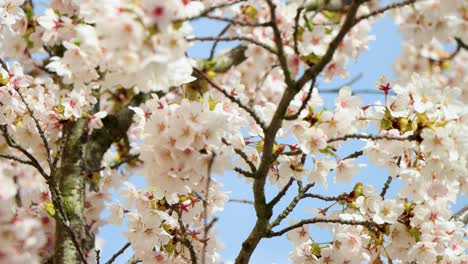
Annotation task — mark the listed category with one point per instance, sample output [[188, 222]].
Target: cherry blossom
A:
[[95, 93]]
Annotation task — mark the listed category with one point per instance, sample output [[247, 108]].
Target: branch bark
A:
[[71, 185]]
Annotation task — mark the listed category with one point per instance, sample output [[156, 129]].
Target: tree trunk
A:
[[71, 183]]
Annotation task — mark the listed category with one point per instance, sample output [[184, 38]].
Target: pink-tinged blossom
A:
[[10, 11], [95, 120], [346, 169]]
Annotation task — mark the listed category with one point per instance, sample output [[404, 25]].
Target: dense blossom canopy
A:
[[92, 92]]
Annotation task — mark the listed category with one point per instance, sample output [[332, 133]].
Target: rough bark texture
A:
[[83, 153], [71, 183]]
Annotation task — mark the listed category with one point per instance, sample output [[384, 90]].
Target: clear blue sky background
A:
[[236, 221]]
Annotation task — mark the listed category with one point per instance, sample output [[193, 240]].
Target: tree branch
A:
[[236, 22], [280, 195], [240, 201], [206, 227], [300, 195], [304, 103], [215, 44], [368, 224], [234, 38], [279, 45], [371, 137], [322, 197], [232, 98], [209, 10], [386, 8], [461, 215], [118, 253], [11, 157], [349, 22], [386, 186], [13, 144], [185, 241], [39, 129]]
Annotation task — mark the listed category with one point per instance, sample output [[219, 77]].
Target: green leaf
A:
[[315, 249], [49, 208], [309, 24], [312, 58], [385, 124], [334, 16]]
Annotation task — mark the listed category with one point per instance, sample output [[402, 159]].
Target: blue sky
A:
[[237, 219]]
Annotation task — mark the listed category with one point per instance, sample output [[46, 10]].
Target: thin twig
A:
[[371, 137], [460, 46], [205, 207], [348, 83], [185, 241], [304, 103], [461, 215], [98, 256], [349, 22], [240, 201], [215, 44], [362, 91], [236, 22], [260, 84], [243, 172], [232, 98], [234, 38], [11, 157], [296, 29], [322, 197], [243, 155], [133, 260], [119, 163], [118, 253], [300, 195], [279, 45], [354, 155], [12, 143], [368, 224], [386, 186], [209, 10], [386, 8], [280, 195], [45, 142]]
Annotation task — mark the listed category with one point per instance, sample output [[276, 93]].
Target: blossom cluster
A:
[[417, 224], [114, 78]]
